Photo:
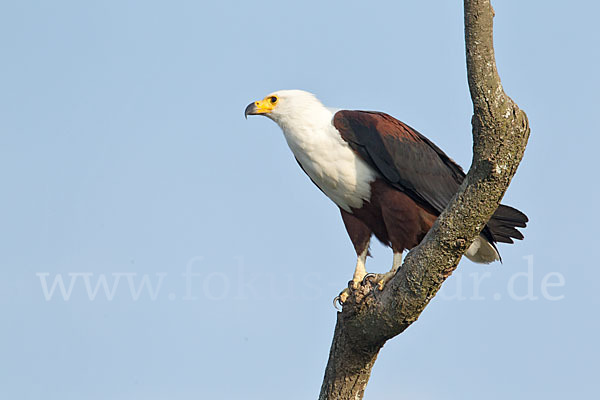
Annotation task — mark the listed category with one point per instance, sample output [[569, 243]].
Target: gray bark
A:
[[500, 132]]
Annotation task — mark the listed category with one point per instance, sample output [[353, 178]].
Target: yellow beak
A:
[[259, 107]]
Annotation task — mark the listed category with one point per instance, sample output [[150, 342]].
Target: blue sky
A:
[[124, 156]]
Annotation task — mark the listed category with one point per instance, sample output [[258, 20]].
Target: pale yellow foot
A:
[[382, 279], [360, 271], [357, 279]]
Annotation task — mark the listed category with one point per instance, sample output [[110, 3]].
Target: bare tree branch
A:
[[500, 131]]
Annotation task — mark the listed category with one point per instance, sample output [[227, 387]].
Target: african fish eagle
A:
[[387, 179]]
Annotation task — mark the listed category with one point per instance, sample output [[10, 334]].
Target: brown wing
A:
[[416, 166], [406, 159]]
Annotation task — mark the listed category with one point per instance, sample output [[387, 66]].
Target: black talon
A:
[[368, 276], [337, 300]]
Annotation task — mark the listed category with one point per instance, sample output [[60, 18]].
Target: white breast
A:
[[329, 161]]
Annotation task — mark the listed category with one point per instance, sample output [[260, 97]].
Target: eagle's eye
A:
[[273, 99]]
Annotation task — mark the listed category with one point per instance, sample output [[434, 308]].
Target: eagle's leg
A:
[[396, 264], [382, 279], [360, 272], [360, 235]]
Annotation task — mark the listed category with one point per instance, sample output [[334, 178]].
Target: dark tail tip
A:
[[504, 222]]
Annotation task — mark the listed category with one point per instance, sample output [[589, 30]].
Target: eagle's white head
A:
[[317, 145], [291, 109]]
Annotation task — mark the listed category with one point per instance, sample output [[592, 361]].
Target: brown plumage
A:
[[392, 216], [387, 179], [417, 182]]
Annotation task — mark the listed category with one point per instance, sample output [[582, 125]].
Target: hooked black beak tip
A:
[[250, 110]]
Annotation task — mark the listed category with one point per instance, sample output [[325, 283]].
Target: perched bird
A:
[[388, 180]]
